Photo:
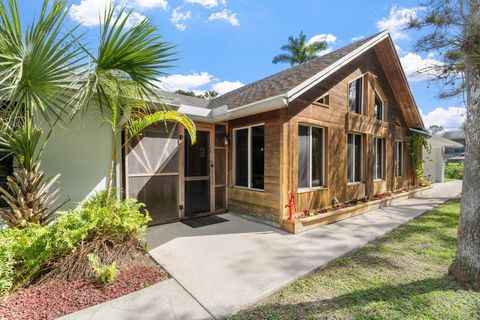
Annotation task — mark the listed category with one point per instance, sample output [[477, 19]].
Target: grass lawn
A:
[[400, 276]]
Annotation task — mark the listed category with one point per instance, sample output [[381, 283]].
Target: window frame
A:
[[362, 89], [399, 167], [376, 94], [249, 156], [323, 182], [362, 159], [375, 177], [326, 96]]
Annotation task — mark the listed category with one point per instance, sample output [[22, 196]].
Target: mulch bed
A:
[[57, 298]]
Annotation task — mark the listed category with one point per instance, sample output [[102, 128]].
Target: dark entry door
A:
[[198, 166]]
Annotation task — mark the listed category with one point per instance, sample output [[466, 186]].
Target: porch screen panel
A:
[[220, 168], [153, 170]]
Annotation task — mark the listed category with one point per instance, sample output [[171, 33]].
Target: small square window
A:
[[378, 108]]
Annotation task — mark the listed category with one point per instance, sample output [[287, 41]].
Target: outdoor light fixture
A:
[[226, 140]]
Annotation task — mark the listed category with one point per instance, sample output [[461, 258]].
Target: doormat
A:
[[203, 221]]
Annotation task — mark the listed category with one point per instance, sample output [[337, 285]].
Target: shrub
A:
[[34, 250], [454, 171], [106, 273]]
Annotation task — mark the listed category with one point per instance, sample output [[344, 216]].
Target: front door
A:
[[198, 174]]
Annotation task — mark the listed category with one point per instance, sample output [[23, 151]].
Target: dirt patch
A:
[[56, 298]]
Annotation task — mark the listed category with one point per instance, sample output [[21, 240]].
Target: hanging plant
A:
[[416, 141]]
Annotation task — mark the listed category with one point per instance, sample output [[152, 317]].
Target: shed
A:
[[435, 159]]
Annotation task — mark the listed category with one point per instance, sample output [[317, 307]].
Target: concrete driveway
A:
[[228, 266]]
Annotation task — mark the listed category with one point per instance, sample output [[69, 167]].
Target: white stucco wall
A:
[[434, 164], [80, 153]]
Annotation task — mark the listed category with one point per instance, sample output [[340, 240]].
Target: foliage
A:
[[35, 249], [415, 143], [209, 94], [29, 198], [435, 129], [121, 80], [6, 268], [454, 171], [298, 50], [106, 273]]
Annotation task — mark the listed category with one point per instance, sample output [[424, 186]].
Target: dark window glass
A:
[[379, 158], [303, 157], [317, 157], [378, 107], [358, 157], [6, 169], [354, 158], [258, 157], [399, 158], [355, 96], [241, 157], [350, 158]]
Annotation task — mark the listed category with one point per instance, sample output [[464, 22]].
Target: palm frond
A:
[[135, 126]]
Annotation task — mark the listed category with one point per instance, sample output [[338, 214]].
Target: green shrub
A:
[[33, 250], [106, 273], [454, 171]]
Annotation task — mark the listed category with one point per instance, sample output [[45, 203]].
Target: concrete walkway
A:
[[222, 268]]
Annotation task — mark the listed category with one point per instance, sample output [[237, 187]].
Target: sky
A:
[[224, 44]]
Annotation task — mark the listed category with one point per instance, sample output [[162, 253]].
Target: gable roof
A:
[[277, 90], [284, 81]]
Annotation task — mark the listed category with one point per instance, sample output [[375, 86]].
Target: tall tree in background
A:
[[453, 33], [435, 129], [298, 50]]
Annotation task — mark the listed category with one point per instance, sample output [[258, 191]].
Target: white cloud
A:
[[327, 37], [449, 118], [88, 12], [179, 18], [185, 82], [225, 15], [353, 39], [226, 86], [208, 3], [396, 22], [149, 4], [417, 67]]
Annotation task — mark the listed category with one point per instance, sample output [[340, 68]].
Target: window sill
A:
[[305, 190], [248, 189], [321, 105], [351, 184]]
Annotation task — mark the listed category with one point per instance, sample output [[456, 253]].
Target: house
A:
[[436, 158], [455, 153], [332, 129]]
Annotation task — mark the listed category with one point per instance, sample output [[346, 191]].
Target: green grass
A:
[[400, 276]]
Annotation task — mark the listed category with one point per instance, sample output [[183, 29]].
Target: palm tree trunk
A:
[[466, 267], [112, 166]]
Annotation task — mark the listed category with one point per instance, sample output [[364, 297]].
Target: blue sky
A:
[[223, 44]]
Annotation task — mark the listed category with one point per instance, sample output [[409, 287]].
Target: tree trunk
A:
[[466, 267]]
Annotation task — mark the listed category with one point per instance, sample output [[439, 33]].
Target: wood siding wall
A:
[[337, 122], [281, 136], [262, 204]]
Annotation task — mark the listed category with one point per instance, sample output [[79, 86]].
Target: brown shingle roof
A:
[[283, 81]]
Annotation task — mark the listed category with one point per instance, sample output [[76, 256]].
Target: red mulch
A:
[[59, 298]]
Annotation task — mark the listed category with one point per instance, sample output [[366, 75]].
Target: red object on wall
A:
[[291, 206]]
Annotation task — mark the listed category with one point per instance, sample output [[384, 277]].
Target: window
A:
[[310, 157], [355, 95], [249, 157], [324, 100], [354, 157], [399, 150], [379, 158], [378, 108], [6, 169]]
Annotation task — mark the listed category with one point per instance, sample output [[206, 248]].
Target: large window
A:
[[378, 107], [249, 157], [355, 95], [399, 152], [310, 157], [354, 158], [379, 158]]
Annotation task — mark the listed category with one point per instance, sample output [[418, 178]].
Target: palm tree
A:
[[121, 83], [298, 50], [46, 73]]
